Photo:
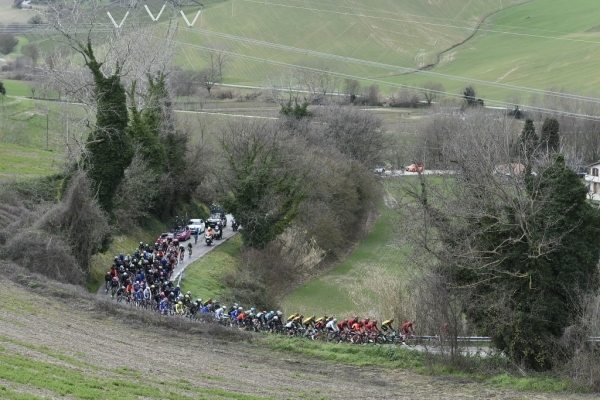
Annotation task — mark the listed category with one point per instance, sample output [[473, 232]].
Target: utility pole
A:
[[47, 124]]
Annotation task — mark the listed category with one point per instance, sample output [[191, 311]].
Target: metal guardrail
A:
[[593, 339]]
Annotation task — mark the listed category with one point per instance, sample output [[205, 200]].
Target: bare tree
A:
[[357, 134], [499, 232], [318, 82], [351, 89], [432, 91], [213, 73]]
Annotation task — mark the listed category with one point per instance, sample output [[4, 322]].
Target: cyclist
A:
[[107, 280], [332, 326], [343, 325], [309, 322], [189, 246], [114, 286], [219, 313], [357, 326], [407, 328], [371, 327], [147, 293], [179, 309], [387, 325]]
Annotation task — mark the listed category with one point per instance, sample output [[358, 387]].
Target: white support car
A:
[[196, 225]]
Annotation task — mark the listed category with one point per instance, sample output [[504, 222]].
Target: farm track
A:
[[439, 55]]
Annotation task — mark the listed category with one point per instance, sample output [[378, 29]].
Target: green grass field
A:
[[542, 44], [16, 88], [551, 46], [352, 286], [204, 277], [398, 32], [491, 371], [20, 162]]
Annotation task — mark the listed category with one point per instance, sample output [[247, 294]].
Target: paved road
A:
[[200, 249], [401, 173]]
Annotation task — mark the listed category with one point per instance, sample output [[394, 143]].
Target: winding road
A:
[[198, 250]]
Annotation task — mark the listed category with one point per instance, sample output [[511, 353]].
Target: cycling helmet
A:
[[188, 293], [180, 303], [240, 309], [152, 286], [276, 318]]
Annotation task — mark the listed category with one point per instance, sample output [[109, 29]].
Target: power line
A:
[[390, 66], [425, 23], [385, 83]]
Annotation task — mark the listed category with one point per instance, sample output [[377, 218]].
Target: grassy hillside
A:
[[20, 162], [204, 277], [399, 32], [352, 286], [57, 341], [34, 134], [544, 44]]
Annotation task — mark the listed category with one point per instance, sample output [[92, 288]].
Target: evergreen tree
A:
[[470, 96], [529, 140], [108, 147], [550, 137], [532, 299], [160, 118], [264, 192], [144, 132]]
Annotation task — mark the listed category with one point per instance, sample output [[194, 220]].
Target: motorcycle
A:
[[218, 232], [208, 239], [234, 225]]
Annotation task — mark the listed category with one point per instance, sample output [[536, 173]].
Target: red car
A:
[[184, 234], [164, 237]]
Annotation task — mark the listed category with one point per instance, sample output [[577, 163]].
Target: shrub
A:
[[8, 42]]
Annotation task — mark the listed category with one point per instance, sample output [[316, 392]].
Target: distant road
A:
[[201, 249], [399, 173]]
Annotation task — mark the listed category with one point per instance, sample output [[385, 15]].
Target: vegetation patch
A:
[[204, 277], [380, 251], [491, 370]]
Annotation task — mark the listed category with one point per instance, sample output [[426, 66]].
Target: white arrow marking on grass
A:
[[187, 21], [152, 15], [113, 20]]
